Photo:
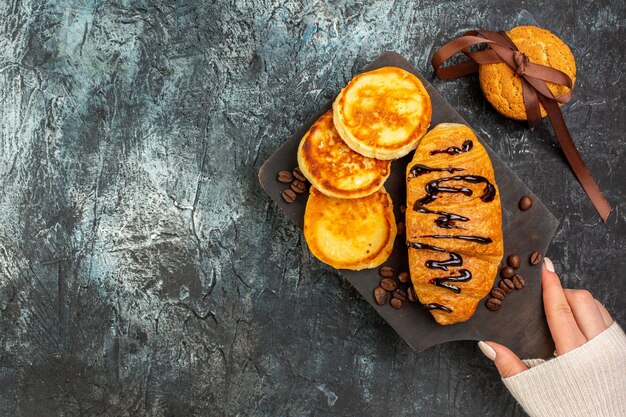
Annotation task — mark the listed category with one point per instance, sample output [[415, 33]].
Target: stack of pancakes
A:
[[379, 116]]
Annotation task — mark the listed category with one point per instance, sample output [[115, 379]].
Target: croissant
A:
[[453, 222]]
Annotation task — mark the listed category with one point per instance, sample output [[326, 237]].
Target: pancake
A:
[[355, 233], [383, 113], [335, 169], [454, 233]]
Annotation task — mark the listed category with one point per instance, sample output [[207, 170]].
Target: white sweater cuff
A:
[[587, 381]]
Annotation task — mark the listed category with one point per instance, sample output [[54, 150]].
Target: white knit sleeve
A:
[[587, 381]]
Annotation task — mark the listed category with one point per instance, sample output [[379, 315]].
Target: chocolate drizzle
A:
[[417, 245], [455, 258], [433, 188], [419, 169], [453, 150], [447, 220], [476, 239], [435, 306], [464, 275]]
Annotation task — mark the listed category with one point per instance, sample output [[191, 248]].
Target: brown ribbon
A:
[[500, 48]]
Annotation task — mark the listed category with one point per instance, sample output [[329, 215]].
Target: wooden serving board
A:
[[520, 324]]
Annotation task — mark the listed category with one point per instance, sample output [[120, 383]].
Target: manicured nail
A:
[[487, 350], [548, 263]]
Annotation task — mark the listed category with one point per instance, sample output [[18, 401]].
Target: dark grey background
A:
[[144, 272]]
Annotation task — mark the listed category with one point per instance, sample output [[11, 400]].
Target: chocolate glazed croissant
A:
[[453, 222]]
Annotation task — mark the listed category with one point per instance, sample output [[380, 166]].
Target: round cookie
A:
[[503, 89]]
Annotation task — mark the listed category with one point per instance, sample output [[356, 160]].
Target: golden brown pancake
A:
[[382, 113], [453, 222], [356, 233], [335, 169]]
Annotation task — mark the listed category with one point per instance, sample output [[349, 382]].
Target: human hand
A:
[[574, 317]]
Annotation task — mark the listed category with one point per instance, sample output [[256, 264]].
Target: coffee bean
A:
[[519, 282], [494, 304], [402, 208], [509, 284], [298, 186], [285, 177], [380, 295], [411, 295], [498, 293], [535, 257], [507, 272], [525, 203], [388, 284], [401, 228], [400, 293], [404, 277], [504, 287], [396, 303], [298, 174], [288, 195], [386, 271], [514, 261]]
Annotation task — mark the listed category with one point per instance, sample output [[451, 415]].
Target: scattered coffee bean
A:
[[498, 293], [404, 277], [507, 272], [401, 228], [514, 261], [402, 208], [285, 177], [298, 174], [519, 282], [298, 186], [411, 295], [525, 203], [388, 284], [380, 295], [494, 304], [535, 257], [504, 287], [509, 284], [396, 303], [386, 271], [288, 195], [400, 293]]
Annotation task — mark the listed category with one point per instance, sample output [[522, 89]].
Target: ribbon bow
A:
[[521, 61], [500, 48]]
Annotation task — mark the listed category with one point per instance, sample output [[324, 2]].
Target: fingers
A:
[[574, 317], [565, 332], [586, 313], [608, 320], [507, 362]]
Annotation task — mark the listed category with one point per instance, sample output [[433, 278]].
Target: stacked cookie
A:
[[503, 87], [379, 116]]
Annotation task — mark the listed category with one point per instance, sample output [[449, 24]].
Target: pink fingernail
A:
[[487, 350], [548, 263]]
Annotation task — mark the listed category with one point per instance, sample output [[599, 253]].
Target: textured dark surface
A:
[[144, 272]]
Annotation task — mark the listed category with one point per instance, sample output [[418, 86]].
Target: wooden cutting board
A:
[[520, 324]]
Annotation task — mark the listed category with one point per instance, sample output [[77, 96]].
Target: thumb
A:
[[507, 362]]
